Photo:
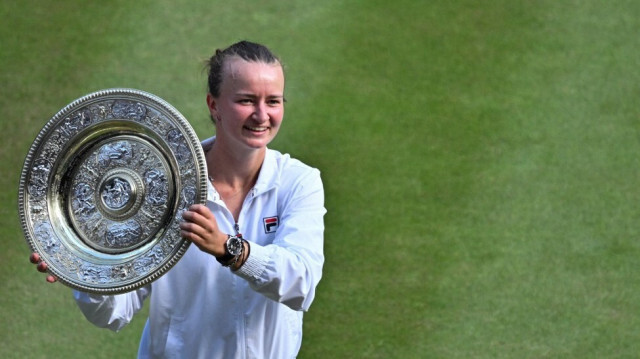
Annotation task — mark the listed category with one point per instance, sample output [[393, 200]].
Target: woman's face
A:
[[250, 107]]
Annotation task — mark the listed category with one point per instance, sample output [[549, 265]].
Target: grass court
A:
[[480, 162]]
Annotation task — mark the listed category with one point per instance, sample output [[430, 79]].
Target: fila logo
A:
[[270, 224]]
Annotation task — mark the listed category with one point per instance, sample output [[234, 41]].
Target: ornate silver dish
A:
[[104, 186]]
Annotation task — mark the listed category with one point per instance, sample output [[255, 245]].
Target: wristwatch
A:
[[233, 248]]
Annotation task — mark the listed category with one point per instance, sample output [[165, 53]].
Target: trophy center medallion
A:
[[117, 193]]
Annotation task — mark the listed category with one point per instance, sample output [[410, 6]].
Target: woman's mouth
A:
[[257, 128]]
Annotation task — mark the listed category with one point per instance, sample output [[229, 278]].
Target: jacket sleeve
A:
[[289, 269], [111, 311]]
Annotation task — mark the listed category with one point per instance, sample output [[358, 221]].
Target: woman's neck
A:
[[233, 168]]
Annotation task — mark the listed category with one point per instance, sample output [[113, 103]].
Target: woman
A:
[[241, 290]]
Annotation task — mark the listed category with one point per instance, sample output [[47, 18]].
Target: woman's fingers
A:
[[34, 258], [193, 219], [199, 221], [199, 214], [41, 266], [200, 227]]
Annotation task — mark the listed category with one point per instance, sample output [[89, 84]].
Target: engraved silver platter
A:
[[104, 186]]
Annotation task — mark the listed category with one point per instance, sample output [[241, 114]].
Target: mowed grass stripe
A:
[[419, 114]]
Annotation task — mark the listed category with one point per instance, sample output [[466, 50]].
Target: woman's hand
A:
[[41, 266], [201, 228]]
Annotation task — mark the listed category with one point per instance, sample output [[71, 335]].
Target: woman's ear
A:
[[212, 104]]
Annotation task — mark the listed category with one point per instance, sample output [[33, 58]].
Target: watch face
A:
[[234, 246]]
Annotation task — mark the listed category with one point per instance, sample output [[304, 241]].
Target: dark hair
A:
[[248, 51]]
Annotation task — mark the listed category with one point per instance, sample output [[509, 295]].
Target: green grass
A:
[[480, 163]]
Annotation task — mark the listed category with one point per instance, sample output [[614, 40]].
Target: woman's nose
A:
[[261, 112]]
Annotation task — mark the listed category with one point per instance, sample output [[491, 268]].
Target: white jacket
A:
[[200, 309]]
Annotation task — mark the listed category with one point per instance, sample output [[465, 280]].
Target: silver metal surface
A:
[[104, 186]]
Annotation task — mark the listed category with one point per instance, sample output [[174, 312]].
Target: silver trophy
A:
[[104, 186]]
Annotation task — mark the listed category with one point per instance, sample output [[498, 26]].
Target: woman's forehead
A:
[[239, 72]]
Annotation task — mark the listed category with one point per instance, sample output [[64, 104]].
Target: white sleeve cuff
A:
[[255, 265]]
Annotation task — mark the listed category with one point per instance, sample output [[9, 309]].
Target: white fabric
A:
[[200, 309]]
